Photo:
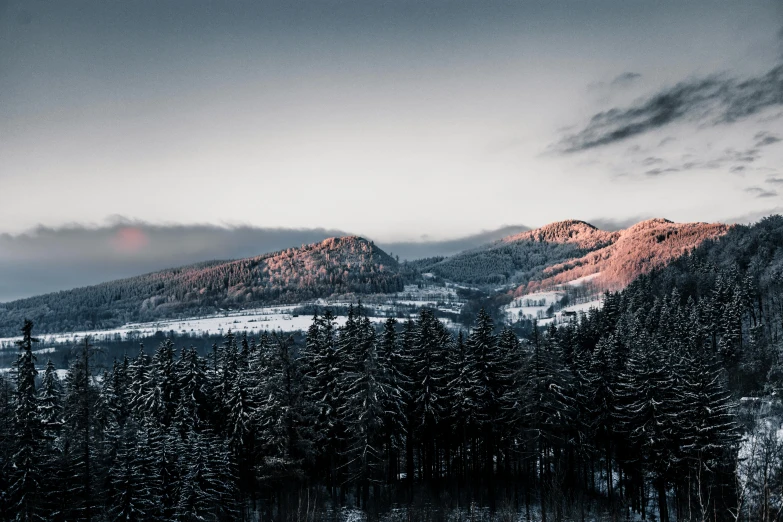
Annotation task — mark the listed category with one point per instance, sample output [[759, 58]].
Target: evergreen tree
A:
[[29, 433], [50, 402], [363, 408]]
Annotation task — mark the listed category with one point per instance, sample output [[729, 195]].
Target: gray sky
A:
[[403, 121]]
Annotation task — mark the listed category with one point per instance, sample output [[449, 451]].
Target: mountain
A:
[[572, 231], [567, 250], [634, 251], [522, 256], [339, 265]]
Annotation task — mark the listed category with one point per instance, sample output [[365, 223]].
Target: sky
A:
[[408, 122]]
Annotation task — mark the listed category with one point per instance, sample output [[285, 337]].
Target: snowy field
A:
[[251, 321], [580, 281], [272, 318], [536, 304], [578, 308], [533, 306]]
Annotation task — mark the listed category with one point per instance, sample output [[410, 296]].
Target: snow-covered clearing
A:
[[254, 321], [580, 281], [543, 305], [281, 318], [533, 306]]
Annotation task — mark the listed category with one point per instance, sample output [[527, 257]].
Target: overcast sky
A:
[[397, 120]]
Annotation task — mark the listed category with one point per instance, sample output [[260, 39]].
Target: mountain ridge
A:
[[334, 266], [523, 262], [636, 250], [575, 231], [531, 259]]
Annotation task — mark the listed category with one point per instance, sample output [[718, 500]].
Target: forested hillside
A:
[[567, 250], [637, 250], [335, 266], [522, 256]]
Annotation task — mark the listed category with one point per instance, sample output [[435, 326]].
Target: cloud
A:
[[650, 160], [625, 79], [774, 180], [714, 100], [764, 139], [737, 161], [761, 192], [755, 216], [660, 172], [48, 259], [621, 81]]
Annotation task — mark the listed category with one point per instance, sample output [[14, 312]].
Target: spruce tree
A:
[[29, 432]]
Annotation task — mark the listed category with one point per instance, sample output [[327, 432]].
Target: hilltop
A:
[[522, 257], [567, 250], [634, 251], [339, 265]]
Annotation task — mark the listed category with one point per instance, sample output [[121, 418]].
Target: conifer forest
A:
[[632, 412]]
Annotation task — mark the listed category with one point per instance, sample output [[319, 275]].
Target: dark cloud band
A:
[[50, 259], [715, 100]]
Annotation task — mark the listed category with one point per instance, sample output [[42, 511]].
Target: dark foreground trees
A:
[[624, 412]]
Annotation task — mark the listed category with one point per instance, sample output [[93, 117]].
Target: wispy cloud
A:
[[737, 162], [626, 79], [760, 192], [765, 138], [621, 81], [714, 100]]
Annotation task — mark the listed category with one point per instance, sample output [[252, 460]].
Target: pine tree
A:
[[206, 491], [138, 380], [239, 429], [482, 345], [364, 410], [129, 496], [463, 385], [430, 345], [645, 414], [224, 380], [79, 420], [392, 365], [546, 412], [281, 417], [191, 411], [325, 387], [162, 391], [29, 432], [50, 402], [7, 440]]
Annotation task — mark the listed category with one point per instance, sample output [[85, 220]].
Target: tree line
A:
[[572, 421]]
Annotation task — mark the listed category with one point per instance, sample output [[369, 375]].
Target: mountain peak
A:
[[649, 223], [334, 266], [636, 250], [573, 231]]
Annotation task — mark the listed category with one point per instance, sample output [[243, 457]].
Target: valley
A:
[[549, 274]]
